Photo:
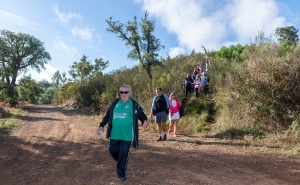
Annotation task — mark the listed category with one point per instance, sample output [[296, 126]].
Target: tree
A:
[[18, 53], [59, 77], [84, 68], [30, 90], [56, 78], [287, 34], [44, 84], [261, 38], [145, 46]]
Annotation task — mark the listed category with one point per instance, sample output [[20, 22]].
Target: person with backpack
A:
[[160, 109], [174, 116], [188, 84], [123, 131]]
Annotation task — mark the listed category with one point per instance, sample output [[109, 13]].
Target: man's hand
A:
[[100, 129], [145, 124]]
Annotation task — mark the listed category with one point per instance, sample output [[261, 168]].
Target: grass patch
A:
[[12, 113], [8, 120], [6, 125]]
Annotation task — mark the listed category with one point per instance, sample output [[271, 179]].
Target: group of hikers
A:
[[198, 80], [123, 114]]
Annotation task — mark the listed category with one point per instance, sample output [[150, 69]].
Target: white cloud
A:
[[83, 33], [248, 17], [212, 23], [17, 20], [176, 51], [62, 47], [44, 74], [62, 17], [193, 24]]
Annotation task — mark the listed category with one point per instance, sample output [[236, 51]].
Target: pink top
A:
[[174, 109]]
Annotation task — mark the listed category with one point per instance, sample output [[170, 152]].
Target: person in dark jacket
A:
[[188, 84], [122, 130]]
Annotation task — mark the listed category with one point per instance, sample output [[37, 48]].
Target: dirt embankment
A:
[[57, 146]]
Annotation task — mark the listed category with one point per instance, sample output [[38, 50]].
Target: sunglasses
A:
[[124, 92]]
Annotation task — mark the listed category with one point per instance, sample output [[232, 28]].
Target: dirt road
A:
[[55, 146]]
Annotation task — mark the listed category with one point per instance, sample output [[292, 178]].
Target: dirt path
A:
[[57, 146]]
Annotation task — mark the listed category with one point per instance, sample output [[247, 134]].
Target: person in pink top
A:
[[197, 83], [174, 113]]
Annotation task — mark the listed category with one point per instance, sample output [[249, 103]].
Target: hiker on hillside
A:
[[205, 83], [174, 113], [123, 131], [197, 83], [200, 69], [188, 84], [194, 73], [160, 109], [206, 64]]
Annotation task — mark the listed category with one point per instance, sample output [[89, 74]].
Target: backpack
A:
[[181, 111], [153, 104]]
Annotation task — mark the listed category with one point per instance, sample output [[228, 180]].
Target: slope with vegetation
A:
[[255, 87]]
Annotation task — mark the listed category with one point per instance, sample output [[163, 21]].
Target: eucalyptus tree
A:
[[140, 38]]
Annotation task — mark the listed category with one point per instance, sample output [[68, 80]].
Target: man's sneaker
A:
[[159, 138], [165, 136], [123, 179]]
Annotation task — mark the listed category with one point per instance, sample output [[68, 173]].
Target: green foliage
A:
[[84, 68], [7, 125], [99, 92], [10, 94], [10, 115], [87, 89], [197, 106], [140, 38], [236, 53], [69, 91], [44, 84], [47, 97], [260, 94], [56, 78], [193, 123], [255, 90], [18, 53], [287, 35], [285, 47], [29, 90]]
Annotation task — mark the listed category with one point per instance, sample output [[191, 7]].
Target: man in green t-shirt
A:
[[122, 130]]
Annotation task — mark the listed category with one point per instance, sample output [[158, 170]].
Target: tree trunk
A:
[[148, 69]]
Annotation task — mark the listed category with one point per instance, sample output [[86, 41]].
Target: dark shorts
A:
[[161, 117]]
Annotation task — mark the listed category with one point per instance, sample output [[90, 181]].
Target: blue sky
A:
[[71, 29]]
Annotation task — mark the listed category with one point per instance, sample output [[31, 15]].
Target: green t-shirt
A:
[[122, 123]]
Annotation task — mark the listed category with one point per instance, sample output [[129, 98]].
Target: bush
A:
[[261, 91]]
